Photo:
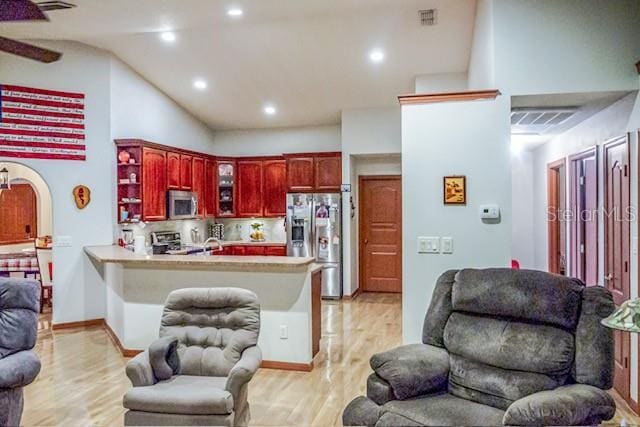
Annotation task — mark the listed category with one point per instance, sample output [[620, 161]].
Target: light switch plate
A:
[[428, 245], [447, 245], [62, 241]]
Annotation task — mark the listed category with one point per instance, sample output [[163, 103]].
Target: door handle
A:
[[608, 277], [366, 241]]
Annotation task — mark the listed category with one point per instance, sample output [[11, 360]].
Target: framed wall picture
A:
[[455, 190]]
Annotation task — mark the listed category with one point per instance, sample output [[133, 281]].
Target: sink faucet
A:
[[211, 239]]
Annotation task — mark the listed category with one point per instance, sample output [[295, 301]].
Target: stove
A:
[[171, 238]]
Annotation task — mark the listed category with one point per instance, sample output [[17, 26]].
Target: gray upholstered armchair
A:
[[198, 371], [499, 346], [19, 364]]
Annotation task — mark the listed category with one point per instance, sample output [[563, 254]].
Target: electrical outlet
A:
[[62, 241], [284, 332]]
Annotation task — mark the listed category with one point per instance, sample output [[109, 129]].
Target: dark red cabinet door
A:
[[210, 188], [275, 251], [249, 188], [328, 171], [239, 250], [185, 172], [197, 185], [173, 171], [154, 184], [300, 174], [274, 187], [254, 250]]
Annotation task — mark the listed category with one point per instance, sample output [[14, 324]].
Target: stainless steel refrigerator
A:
[[314, 229]]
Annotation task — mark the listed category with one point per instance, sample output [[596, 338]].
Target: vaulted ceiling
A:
[[309, 58]]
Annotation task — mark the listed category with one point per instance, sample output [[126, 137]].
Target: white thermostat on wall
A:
[[489, 212]]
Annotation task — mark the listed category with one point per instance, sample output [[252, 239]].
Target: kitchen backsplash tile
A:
[[240, 228], [184, 226]]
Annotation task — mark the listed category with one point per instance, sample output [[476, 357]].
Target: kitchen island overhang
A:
[[288, 289]]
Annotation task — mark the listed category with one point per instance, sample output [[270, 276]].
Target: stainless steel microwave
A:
[[182, 204]]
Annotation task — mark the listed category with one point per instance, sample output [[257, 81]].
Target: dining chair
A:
[[45, 258]]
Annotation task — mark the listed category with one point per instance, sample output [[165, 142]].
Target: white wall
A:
[[616, 120], [551, 46], [434, 144], [79, 291], [441, 82], [522, 209], [365, 132], [261, 142], [482, 58], [43, 195], [140, 110]]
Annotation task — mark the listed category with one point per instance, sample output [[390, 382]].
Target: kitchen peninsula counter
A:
[[119, 255], [288, 289]]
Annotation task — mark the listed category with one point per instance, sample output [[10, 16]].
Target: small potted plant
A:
[[257, 235]]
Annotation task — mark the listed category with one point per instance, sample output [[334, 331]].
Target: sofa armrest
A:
[[139, 370], [19, 369], [243, 370], [413, 370], [576, 404]]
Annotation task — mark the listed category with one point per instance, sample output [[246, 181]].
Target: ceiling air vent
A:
[[539, 120], [47, 6], [428, 16]]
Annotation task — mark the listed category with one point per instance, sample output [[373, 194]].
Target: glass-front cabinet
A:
[[226, 188]]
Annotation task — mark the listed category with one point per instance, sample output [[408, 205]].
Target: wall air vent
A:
[[428, 16], [539, 120], [47, 6]]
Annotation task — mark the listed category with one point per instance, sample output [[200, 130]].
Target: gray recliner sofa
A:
[[19, 364], [499, 347], [198, 371]]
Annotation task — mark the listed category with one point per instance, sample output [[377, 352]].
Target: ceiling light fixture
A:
[[376, 55], [235, 12], [200, 84], [270, 110], [168, 36]]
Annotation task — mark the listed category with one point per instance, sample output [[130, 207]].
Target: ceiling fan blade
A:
[[28, 50], [20, 10]]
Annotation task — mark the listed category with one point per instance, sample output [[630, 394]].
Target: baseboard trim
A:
[[287, 366], [352, 296], [80, 324], [126, 352]]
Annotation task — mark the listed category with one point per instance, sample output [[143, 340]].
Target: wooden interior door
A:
[[583, 190], [380, 219], [617, 242], [555, 227], [18, 214]]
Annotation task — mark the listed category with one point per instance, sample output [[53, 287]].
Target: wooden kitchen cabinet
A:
[[173, 171], [274, 188], [328, 172], [275, 250], [300, 174], [314, 172], [186, 168], [197, 183], [249, 202], [226, 188], [210, 188], [154, 184]]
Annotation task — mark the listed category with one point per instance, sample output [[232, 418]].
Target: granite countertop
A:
[[119, 255]]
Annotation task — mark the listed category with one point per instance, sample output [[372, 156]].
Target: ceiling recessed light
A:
[[270, 110], [200, 84], [168, 36], [376, 55], [235, 12]]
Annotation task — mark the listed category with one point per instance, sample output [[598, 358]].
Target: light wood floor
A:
[[82, 380]]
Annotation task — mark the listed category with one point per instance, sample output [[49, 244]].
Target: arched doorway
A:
[[26, 227]]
